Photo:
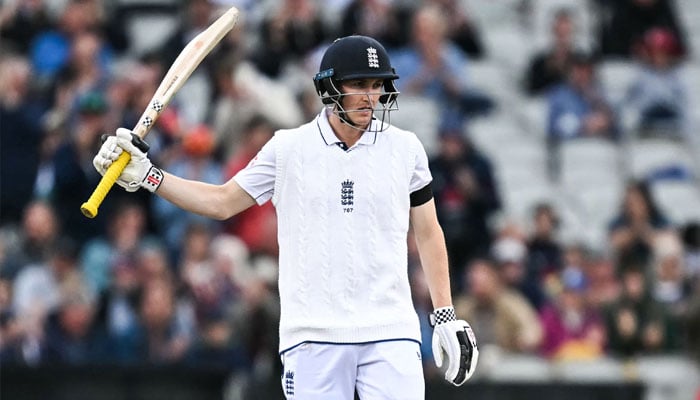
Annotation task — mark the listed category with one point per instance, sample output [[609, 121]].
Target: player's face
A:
[[361, 96]]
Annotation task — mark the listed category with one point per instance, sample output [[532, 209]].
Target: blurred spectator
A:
[[21, 133], [692, 327], [466, 196], [510, 254], [544, 251], [572, 328], [669, 284], [233, 95], [21, 21], [462, 29], [195, 162], [51, 49], [153, 262], [72, 337], [256, 317], [550, 66], [231, 259], [256, 226], [574, 260], [54, 134], [578, 107], [207, 279], [128, 79], [129, 93], [39, 288], [501, 316], [36, 238], [690, 234], [380, 19], [82, 70], [287, 34], [11, 333], [38, 292], [126, 233], [670, 288], [384, 21], [603, 283], [74, 176], [658, 94], [245, 93], [217, 346], [623, 24], [635, 322], [633, 230], [118, 312], [433, 66], [225, 284], [193, 98], [166, 325], [196, 16]]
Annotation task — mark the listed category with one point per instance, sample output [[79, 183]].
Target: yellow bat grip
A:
[[89, 208]]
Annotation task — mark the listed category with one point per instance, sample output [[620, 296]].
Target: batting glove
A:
[[456, 340], [140, 172]]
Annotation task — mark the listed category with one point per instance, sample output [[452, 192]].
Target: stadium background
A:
[[147, 301]]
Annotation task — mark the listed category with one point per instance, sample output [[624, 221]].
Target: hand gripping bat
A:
[[183, 66]]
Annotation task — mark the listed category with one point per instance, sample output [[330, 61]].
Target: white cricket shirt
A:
[[343, 220]]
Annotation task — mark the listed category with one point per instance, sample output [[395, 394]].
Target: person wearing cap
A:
[[345, 186]]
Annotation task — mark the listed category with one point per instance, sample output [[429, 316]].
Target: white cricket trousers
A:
[[381, 370]]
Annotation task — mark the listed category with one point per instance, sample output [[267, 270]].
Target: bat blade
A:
[[181, 69]]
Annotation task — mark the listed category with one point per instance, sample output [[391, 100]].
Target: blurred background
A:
[[563, 139]]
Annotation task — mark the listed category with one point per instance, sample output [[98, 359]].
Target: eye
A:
[[377, 85]]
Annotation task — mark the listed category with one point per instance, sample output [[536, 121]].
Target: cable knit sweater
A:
[[343, 217]]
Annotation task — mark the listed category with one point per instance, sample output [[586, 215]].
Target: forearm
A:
[[213, 201], [433, 256]]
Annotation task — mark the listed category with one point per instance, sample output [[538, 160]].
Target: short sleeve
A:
[[421, 176], [258, 177]]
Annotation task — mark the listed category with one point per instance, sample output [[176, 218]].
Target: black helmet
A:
[[354, 57]]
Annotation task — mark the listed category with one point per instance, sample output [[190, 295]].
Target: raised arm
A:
[[213, 201]]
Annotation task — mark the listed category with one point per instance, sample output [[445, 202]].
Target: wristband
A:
[[153, 179], [442, 315]]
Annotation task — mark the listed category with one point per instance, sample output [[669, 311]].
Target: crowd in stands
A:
[[147, 283]]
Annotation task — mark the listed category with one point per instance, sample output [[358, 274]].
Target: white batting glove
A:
[[456, 340], [140, 172]]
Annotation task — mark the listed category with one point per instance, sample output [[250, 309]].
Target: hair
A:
[[644, 190], [435, 15]]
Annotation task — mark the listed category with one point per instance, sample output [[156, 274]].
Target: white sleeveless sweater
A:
[[343, 218]]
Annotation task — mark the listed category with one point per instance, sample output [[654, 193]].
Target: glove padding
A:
[[456, 339], [139, 172]]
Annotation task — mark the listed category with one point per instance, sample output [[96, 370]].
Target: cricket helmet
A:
[[354, 57]]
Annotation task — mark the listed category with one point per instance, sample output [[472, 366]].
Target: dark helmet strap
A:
[[329, 86], [391, 92]]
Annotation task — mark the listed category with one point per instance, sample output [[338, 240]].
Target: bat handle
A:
[[89, 208]]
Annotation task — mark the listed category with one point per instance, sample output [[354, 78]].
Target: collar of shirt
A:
[[369, 137]]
